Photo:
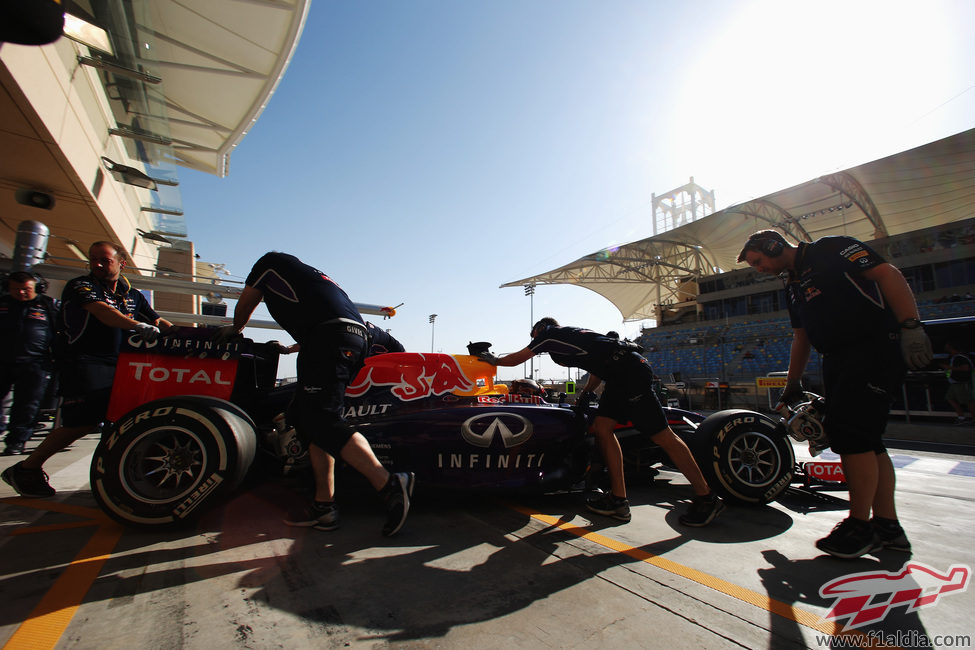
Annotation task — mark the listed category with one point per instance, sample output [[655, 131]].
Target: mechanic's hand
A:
[[487, 357], [148, 333], [916, 348], [279, 348], [792, 394], [583, 401], [223, 334]]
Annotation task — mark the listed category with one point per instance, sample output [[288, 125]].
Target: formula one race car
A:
[[188, 418]]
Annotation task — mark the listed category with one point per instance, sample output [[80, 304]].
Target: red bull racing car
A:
[[189, 419]]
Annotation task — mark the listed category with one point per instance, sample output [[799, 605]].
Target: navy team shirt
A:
[[300, 296], [578, 348], [86, 335], [829, 297]]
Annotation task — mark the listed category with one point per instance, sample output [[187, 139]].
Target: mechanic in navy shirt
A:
[[332, 341], [858, 311], [27, 319], [96, 312], [627, 397]]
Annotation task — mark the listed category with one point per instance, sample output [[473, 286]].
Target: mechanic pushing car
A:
[[95, 311], [628, 396], [853, 308], [332, 340]]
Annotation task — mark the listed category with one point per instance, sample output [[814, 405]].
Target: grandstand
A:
[[739, 327]]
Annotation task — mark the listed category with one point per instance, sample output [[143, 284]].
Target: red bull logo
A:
[[915, 586], [415, 375]]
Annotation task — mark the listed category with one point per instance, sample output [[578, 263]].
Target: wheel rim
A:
[[163, 464], [754, 459]]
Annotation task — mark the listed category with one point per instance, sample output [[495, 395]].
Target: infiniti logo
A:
[[136, 341], [480, 430]]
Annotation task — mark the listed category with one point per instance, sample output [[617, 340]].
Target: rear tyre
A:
[[166, 461], [744, 455]]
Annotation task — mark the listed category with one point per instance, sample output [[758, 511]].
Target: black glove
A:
[[223, 334], [793, 393], [148, 333], [583, 401], [487, 357]]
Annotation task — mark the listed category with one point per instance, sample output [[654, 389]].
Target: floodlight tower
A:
[[681, 206], [530, 292]]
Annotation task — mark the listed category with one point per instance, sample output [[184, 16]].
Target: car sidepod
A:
[[482, 446], [166, 461]]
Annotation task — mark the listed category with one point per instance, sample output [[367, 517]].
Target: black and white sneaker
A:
[[891, 534], [30, 483], [609, 505], [321, 516], [850, 539], [397, 495], [702, 511]]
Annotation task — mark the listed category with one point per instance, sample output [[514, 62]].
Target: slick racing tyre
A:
[[164, 462], [744, 455]]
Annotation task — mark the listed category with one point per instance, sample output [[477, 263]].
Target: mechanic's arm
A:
[[111, 316], [592, 384], [798, 355], [915, 344], [163, 324], [895, 290], [798, 358], [515, 358], [248, 301]]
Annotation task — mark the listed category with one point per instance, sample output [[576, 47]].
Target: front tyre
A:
[[164, 461], [745, 456]]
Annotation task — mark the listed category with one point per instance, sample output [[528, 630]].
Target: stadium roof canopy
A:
[[926, 186], [220, 61]]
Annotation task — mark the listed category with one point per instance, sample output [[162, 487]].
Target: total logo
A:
[[176, 375]]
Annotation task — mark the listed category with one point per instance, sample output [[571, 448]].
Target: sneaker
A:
[[321, 516], [30, 483], [702, 510], [13, 449], [849, 539], [962, 421], [397, 495], [891, 534], [609, 505]]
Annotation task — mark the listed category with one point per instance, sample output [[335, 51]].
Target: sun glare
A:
[[789, 90]]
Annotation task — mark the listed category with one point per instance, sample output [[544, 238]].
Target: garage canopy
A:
[[927, 186], [220, 61]]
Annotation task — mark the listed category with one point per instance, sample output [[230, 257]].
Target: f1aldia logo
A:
[[868, 597], [481, 429]]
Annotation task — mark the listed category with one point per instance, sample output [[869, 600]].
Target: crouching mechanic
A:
[[332, 342], [96, 311], [628, 396], [859, 312]]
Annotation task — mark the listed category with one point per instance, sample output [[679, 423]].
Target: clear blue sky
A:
[[426, 152]]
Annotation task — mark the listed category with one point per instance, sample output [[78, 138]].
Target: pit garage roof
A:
[[927, 186], [220, 61]]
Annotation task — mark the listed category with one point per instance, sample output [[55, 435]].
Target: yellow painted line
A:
[[47, 622], [57, 506], [48, 528], [763, 601]]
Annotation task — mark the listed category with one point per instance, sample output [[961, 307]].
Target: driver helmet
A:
[[526, 387]]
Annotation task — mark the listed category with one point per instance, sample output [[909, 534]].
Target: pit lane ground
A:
[[468, 572]]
